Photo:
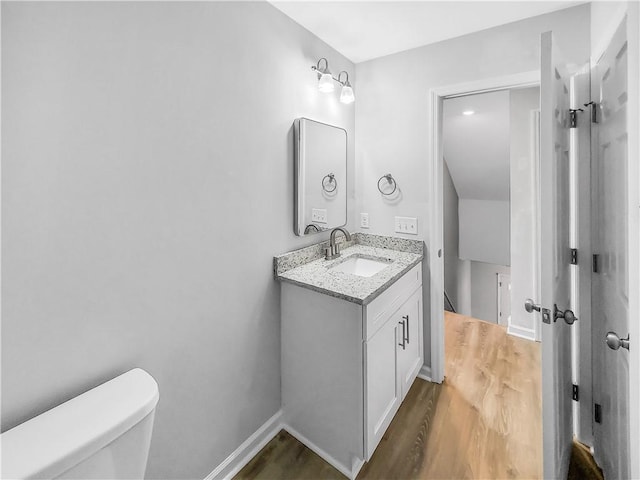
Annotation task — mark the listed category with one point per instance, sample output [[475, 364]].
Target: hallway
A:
[[484, 421], [488, 422]]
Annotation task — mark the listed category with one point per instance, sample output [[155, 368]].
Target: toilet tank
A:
[[104, 433]]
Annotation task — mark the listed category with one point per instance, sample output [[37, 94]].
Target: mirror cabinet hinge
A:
[[595, 263], [575, 393], [574, 256]]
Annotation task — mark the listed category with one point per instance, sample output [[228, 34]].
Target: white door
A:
[[383, 383], [610, 284], [555, 285]]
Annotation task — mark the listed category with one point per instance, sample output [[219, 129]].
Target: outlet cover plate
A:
[[319, 215]]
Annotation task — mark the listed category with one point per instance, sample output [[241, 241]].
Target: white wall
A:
[[484, 231], [523, 207], [147, 182], [392, 114]]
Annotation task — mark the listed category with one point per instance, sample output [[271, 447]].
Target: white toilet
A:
[[102, 434]]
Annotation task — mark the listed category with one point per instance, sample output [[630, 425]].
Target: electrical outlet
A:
[[407, 225], [364, 220], [319, 215]]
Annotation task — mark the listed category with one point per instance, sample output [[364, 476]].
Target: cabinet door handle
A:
[[403, 335], [406, 317]]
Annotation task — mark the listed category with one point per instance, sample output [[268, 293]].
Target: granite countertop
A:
[[318, 274]]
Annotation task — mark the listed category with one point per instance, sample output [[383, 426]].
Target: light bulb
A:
[[325, 84], [468, 112], [346, 95]]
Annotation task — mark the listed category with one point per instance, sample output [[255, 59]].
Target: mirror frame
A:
[[298, 228]]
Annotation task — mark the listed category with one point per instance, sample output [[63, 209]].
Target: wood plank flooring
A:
[[484, 421]]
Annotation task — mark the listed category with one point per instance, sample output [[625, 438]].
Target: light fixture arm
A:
[[346, 82], [317, 68]]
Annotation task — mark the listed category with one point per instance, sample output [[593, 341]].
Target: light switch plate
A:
[[319, 215], [407, 225], [364, 220]]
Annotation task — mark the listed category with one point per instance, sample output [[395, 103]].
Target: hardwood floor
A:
[[488, 422], [484, 421]]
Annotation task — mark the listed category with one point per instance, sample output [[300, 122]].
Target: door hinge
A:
[[575, 392], [574, 256], [594, 263], [573, 117], [594, 111], [597, 413]]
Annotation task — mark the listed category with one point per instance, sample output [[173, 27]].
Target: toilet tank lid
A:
[[60, 438]]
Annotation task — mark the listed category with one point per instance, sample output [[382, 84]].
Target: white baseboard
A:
[[249, 448], [521, 332], [425, 373], [349, 473]]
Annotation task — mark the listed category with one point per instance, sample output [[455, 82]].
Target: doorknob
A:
[[529, 306], [568, 315], [614, 342]]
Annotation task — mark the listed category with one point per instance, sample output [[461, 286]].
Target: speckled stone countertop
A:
[[317, 273]]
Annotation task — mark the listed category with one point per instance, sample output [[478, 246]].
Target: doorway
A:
[[436, 173], [489, 205]]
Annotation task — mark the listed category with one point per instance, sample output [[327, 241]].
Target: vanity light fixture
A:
[[325, 81], [468, 112]]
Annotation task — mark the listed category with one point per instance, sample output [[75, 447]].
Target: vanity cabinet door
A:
[[409, 318], [383, 394]]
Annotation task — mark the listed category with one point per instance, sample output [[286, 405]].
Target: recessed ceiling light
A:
[[468, 112]]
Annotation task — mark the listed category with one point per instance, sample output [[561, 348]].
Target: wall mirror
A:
[[320, 177]]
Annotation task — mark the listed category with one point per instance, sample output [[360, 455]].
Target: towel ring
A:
[[332, 179], [390, 180]]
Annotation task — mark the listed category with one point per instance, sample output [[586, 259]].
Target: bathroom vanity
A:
[[352, 344]]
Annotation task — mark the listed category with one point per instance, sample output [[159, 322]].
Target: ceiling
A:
[[477, 147], [362, 30]]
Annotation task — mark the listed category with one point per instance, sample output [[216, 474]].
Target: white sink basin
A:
[[363, 267]]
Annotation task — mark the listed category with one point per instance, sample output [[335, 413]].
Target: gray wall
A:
[[485, 230], [392, 123], [147, 182], [484, 290], [451, 238]]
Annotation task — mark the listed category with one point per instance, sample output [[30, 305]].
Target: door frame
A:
[[500, 278], [435, 207]]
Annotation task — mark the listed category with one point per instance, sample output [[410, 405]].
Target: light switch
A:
[[364, 220], [407, 225], [319, 215]]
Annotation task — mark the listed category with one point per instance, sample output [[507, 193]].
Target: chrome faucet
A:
[[333, 250]]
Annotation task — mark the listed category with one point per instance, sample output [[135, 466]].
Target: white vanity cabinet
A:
[[347, 367]]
